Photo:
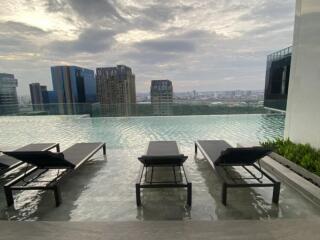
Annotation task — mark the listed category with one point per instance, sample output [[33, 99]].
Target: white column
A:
[[303, 107]]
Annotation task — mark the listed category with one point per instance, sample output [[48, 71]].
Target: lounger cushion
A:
[[241, 156], [163, 160], [7, 162], [42, 159]]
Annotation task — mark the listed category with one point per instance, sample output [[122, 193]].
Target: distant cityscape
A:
[[110, 85], [114, 88], [210, 96]]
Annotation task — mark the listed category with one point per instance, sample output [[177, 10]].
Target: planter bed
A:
[[315, 179]]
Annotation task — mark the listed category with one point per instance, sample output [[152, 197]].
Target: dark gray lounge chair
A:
[[222, 155], [64, 162], [7, 163], [163, 154]]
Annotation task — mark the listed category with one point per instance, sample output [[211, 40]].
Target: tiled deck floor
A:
[[219, 230]]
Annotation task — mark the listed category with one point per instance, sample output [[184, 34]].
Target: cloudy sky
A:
[[201, 45]]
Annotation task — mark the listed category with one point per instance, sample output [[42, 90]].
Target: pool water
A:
[[132, 132], [103, 189]]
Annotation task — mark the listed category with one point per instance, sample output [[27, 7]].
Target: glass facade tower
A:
[[8, 94], [73, 85], [161, 97], [277, 79], [39, 96]]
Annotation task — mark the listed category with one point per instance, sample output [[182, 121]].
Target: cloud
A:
[[19, 37], [157, 14], [167, 46], [176, 47], [190, 42], [89, 41], [55, 5], [12, 27], [271, 10], [94, 10], [149, 58]]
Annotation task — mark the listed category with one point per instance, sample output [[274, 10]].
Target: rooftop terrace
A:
[[103, 189]]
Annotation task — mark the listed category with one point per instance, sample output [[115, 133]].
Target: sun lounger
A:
[[163, 154], [7, 163], [42, 162], [222, 156]]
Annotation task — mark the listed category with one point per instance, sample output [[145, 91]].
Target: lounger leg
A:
[[9, 196], [151, 175], [57, 195], [58, 148], [138, 197], [189, 194], [195, 148], [224, 194], [104, 149], [146, 175], [276, 193], [174, 174]]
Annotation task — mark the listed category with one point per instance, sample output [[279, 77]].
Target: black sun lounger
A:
[[222, 155], [7, 163], [42, 162], [163, 154]]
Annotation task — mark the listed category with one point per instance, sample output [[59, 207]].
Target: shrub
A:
[[301, 154]]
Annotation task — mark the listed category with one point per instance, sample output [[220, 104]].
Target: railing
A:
[[280, 54], [139, 109]]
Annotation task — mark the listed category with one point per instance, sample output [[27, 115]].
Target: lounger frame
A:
[[229, 182], [183, 182], [33, 174]]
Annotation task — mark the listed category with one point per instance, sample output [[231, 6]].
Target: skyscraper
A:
[[161, 97], [116, 89], [73, 85], [8, 94], [39, 96], [45, 94], [277, 79]]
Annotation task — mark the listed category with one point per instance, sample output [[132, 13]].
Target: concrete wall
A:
[[303, 107]]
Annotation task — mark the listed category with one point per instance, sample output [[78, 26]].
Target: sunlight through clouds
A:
[[187, 41]]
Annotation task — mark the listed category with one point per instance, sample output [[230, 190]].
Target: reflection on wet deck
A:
[[104, 189]]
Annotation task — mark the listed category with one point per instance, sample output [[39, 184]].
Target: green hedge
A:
[[301, 154]]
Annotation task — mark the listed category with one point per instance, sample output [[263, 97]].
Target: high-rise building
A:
[[52, 97], [73, 85], [8, 94], [116, 89], [45, 94], [39, 96], [277, 79], [161, 97]]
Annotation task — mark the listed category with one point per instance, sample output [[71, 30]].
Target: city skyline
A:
[[215, 45]]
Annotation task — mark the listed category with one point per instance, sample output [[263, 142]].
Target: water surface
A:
[[103, 189]]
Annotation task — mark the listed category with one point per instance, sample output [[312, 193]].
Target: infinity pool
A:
[[103, 189]]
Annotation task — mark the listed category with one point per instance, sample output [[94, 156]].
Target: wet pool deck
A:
[[99, 198], [103, 190], [296, 229]]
